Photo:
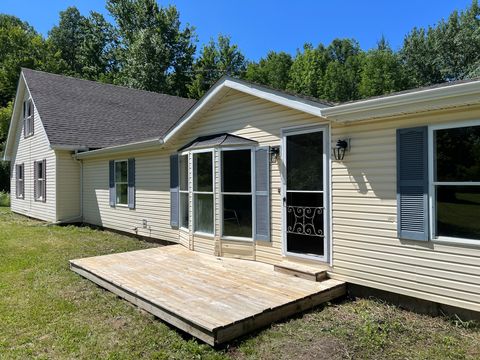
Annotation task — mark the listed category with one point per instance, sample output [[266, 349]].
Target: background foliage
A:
[[147, 47]]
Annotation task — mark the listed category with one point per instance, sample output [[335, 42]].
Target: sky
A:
[[280, 25]]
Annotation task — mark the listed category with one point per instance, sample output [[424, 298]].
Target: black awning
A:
[[217, 140]]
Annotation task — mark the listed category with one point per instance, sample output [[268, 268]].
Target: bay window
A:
[[183, 188], [203, 199], [236, 193]]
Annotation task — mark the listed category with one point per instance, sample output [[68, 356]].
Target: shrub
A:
[[4, 198]]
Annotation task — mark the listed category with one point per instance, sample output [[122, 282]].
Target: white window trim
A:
[[327, 220], [251, 193], [432, 184], [28, 120], [193, 192], [121, 182], [38, 181], [22, 180]]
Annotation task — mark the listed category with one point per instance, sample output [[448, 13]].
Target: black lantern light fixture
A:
[[340, 148], [274, 153]]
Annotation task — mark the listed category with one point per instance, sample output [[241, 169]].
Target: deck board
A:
[[214, 299]]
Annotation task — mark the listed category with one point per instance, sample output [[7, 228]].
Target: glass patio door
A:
[[304, 194]]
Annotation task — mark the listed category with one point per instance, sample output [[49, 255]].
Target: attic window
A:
[[27, 118]]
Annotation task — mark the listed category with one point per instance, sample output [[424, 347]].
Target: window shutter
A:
[[17, 182], [111, 167], [131, 183], [32, 119], [44, 183], [35, 177], [262, 194], [23, 180], [174, 192], [412, 183]]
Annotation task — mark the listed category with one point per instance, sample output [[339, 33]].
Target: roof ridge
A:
[[106, 84]]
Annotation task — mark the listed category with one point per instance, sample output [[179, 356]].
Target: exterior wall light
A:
[[274, 154], [340, 148]]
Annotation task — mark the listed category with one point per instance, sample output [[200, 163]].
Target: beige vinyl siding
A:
[[236, 113], [33, 148], [256, 119], [68, 186], [152, 182], [366, 249]]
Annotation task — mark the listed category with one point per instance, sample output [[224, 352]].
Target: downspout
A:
[[80, 162]]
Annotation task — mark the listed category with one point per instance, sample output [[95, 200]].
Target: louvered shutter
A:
[[23, 180], [35, 178], [32, 119], [262, 194], [131, 183], [44, 183], [412, 183], [111, 182], [174, 192], [17, 181]]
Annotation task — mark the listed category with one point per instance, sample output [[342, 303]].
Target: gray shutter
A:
[[412, 183], [111, 182], [262, 194], [131, 183], [32, 121], [23, 180], [44, 180], [35, 177], [17, 187], [24, 115], [174, 192]]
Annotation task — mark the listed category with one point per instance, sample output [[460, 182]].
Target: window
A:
[[203, 192], [237, 193], [121, 182], [20, 181], [183, 165], [27, 118], [39, 180], [456, 182]]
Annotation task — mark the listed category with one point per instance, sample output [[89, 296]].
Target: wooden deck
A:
[[213, 299]]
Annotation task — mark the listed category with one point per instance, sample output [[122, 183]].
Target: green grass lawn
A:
[[47, 311]]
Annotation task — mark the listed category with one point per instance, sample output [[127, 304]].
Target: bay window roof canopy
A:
[[218, 140]]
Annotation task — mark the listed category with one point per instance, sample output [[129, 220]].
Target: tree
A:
[[20, 46], [82, 46], [155, 53], [274, 70], [308, 69], [216, 59], [382, 71], [342, 75], [5, 115]]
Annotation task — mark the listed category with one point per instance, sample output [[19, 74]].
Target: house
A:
[[384, 191]]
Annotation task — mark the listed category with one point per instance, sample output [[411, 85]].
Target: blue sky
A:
[[260, 26]]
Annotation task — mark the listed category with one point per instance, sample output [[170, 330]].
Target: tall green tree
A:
[[216, 59], [308, 69], [20, 46], [155, 52], [342, 75], [273, 70], [82, 46], [382, 71]]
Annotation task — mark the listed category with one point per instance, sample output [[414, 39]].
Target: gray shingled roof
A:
[[79, 112]]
